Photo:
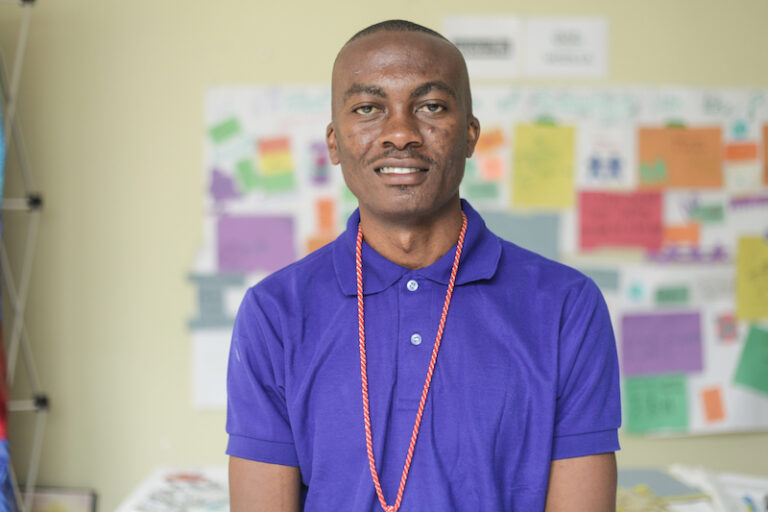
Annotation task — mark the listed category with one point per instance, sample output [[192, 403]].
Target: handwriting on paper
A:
[[543, 166], [656, 343], [656, 403], [255, 243], [615, 219], [752, 278], [680, 157]]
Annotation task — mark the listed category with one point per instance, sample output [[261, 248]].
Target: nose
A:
[[400, 130]]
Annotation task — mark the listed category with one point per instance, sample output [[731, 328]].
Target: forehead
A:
[[387, 55]]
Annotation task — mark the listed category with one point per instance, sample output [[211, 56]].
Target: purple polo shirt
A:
[[527, 373]]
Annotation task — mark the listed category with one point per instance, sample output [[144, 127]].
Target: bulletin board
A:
[[660, 195]]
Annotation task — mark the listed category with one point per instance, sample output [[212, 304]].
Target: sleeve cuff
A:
[[262, 451], [591, 443]]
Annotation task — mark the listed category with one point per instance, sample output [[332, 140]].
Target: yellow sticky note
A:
[[752, 279], [542, 173]]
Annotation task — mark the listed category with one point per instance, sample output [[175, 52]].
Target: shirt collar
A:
[[479, 258]]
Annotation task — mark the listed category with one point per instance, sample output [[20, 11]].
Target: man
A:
[[329, 408]]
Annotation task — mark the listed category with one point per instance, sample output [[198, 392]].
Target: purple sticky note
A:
[[657, 343], [257, 243], [222, 186]]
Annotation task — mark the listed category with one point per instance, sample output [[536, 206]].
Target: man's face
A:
[[402, 127]]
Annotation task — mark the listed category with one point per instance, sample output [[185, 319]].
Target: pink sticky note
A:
[[255, 243], [615, 219], [656, 343]]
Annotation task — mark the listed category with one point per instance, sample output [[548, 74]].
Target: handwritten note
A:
[[741, 151], [255, 243], [543, 166], [655, 343], [224, 130], [656, 404], [752, 278], [712, 400], [752, 370], [614, 219], [681, 234], [680, 157], [275, 163]]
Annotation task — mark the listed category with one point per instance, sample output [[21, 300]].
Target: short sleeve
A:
[[257, 415], [588, 409]]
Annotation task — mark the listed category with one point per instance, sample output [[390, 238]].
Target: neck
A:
[[411, 243]]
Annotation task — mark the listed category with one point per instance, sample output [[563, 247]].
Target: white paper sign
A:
[[566, 47], [490, 45]]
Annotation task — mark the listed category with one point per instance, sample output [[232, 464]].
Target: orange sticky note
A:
[[680, 157], [741, 152], [713, 404], [316, 242], [490, 140], [681, 234], [325, 210], [492, 169]]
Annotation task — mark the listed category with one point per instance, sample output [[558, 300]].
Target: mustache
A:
[[409, 154]]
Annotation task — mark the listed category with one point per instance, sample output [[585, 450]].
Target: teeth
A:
[[398, 170]]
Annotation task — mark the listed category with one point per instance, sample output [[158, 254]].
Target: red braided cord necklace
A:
[[430, 369]]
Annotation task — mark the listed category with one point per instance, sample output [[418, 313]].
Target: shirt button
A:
[[412, 285], [416, 339]]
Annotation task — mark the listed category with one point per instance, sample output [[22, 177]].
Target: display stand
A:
[[17, 290]]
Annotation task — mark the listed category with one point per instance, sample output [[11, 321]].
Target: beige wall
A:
[[112, 97]]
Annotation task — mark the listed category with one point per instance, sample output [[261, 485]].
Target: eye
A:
[[432, 108], [366, 110]]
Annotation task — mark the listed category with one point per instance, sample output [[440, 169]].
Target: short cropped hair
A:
[[395, 26]]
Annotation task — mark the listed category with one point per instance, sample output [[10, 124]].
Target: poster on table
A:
[[659, 194]]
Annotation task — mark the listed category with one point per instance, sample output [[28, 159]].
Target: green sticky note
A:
[[752, 371], [481, 191], [708, 213], [278, 182], [246, 175], [656, 404], [224, 130], [672, 295], [655, 173]]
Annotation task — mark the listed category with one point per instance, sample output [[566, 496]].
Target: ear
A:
[[330, 141], [473, 133]]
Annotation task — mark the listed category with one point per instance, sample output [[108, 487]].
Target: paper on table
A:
[[752, 371], [656, 343], [656, 404], [752, 278], [255, 243], [614, 219], [543, 166], [680, 157]]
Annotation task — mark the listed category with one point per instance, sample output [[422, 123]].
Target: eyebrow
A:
[[419, 91], [364, 89], [428, 86]]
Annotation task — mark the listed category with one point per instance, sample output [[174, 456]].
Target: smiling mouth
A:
[[399, 170]]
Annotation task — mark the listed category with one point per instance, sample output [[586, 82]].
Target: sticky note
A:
[[752, 278], [656, 404], [255, 243], [672, 295], [538, 232], [224, 130], [680, 157], [681, 234], [712, 400], [325, 214], [480, 190], [316, 242], [752, 371], [275, 156], [727, 328], [321, 164], [490, 140], [542, 172], [222, 187], [492, 168], [246, 174], [708, 213], [615, 219], [738, 152], [656, 343]]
